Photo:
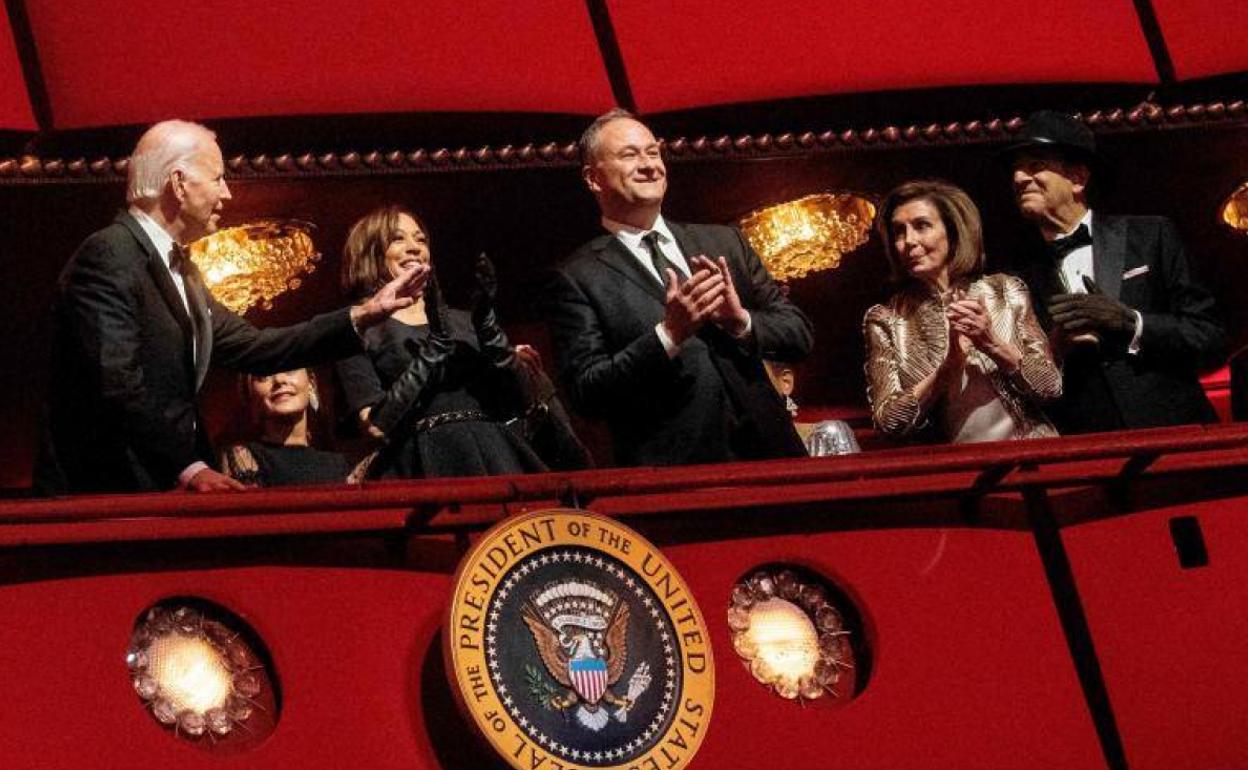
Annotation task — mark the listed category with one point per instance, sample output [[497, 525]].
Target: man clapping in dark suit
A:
[[135, 331], [661, 328], [1131, 323]]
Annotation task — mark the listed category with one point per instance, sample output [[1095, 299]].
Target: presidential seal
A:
[[572, 643]]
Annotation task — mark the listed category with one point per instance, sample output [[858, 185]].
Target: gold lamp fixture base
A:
[[808, 234]]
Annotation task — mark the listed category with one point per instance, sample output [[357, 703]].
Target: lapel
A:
[[1041, 274], [613, 254], [160, 275], [197, 296], [1109, 253]]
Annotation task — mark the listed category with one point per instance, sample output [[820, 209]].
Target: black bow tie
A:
[[179, 259], [1060, 247]]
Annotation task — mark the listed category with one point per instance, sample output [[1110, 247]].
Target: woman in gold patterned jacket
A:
[[952, 345]]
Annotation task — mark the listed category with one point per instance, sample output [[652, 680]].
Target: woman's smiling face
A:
[[409, 245]]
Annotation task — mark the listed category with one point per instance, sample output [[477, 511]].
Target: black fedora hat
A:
[[1049, 131]]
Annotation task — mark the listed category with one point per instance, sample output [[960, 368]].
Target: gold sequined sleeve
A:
[[1037, 375], [894, 409]]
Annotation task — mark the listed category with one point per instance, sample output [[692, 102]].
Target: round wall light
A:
[[788, 631], [203, 673]]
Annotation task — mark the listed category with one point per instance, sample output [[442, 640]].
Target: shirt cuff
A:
[[188, 473], [665, 339], [749, 326], [1134, 347]]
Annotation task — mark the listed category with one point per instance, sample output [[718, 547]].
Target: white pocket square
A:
[[1133, 272]]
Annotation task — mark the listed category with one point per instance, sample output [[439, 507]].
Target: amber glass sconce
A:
[[1235, 210], [809, 234], [254, 263]]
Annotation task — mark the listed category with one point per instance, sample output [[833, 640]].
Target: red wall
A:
[[967, 662], [1170, 639], [969, 667]]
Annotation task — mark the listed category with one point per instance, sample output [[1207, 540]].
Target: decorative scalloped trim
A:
[[31, 169]]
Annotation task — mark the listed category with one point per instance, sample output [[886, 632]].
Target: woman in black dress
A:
[[280, 406], [437, 385]]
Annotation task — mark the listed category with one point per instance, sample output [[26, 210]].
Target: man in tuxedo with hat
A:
[[135, 331], [661, 328], [1130, 323]]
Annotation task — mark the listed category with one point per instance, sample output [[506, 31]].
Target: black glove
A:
[[1093, 311], [494, 344], [486, 288], [436, 312], [414, 386], [421, 377]]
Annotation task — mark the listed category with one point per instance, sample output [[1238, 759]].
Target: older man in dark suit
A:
[[135, 331], [661, 328], [1128, 318]]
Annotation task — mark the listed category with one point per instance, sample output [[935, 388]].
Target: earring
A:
[[314, 400]]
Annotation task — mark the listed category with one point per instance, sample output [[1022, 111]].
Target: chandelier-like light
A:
[[1235, 210], [198, 675], [789, 636], [253, 263], [810, 233]]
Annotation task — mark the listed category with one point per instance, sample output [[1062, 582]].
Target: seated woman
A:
[[436, 384], [279, 405], [953, 344]]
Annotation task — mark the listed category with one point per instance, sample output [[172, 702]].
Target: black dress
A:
[[455, 424], [274, 465]]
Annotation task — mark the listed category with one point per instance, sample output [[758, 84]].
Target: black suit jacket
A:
[[713, 401], [1141, 262], [122, 412]]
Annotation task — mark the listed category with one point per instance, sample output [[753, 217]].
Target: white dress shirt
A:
[[632, 238], [164, 244], [1078, 263]]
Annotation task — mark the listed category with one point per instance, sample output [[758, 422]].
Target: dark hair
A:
[[251, 427], [588, 145], [364, 253], [958, 214]]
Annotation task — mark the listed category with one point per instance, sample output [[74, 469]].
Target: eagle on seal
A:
[[581, 633]]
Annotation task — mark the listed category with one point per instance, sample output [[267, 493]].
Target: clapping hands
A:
[[970, 325], [730, 315], [968, 319], [691, 303]]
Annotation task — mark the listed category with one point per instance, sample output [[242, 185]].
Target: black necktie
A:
[[1060, 247], [661, 265]]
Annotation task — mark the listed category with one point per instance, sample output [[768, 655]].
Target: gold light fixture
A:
[[808, 234], [198, 675], [789, 636], [1235, 210], [253, 263]]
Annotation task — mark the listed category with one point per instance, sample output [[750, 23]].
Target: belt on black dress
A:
[[463, 415]]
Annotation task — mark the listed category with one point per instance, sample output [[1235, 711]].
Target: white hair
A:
[[165, 147]]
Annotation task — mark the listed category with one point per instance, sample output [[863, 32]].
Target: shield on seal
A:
[[589, 678]]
